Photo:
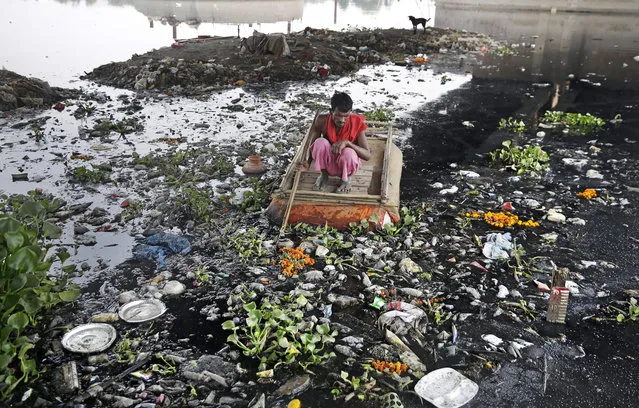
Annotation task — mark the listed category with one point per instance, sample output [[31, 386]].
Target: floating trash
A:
[[140, 311], [446, 388], [89, 338]]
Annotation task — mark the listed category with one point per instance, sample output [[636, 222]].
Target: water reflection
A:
[[595, 48]]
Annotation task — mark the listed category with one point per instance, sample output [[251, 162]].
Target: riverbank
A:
[[132, 165]]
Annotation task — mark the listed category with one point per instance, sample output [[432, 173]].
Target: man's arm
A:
[[360, 146]]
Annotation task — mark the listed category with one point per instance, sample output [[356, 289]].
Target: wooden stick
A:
[[289, 205]]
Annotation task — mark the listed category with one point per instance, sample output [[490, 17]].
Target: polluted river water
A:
[[574, 62]]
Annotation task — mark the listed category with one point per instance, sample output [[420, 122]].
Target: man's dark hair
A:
[[341, 101]]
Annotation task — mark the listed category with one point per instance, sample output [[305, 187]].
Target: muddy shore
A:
[[156, 167]]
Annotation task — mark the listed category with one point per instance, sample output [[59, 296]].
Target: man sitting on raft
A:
[[338, 144]]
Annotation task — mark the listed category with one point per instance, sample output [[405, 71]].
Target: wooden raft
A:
[[375, 187]]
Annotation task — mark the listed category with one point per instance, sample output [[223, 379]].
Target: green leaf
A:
[[5, 360], [254, 318], [310, 347], [18, 321], [43, 267], [344, 375], [31, 303], [63, 255], [31, 209], [22, 260], [18, 282], [302, 301], [323, 328], [50, 230], [8, 224], [283, 342], [620, 317], [70, 294], [69, 268], [14, 240], [250, 306], [228, 325]]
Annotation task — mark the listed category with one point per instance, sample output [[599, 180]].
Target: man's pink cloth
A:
[[353, 126], [343, 165]]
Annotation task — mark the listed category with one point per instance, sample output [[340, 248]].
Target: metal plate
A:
[[446, 388], [140, 311], [89, 338]]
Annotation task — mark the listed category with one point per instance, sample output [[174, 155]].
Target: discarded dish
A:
[[140, 311], [89, 338], [446, 388]]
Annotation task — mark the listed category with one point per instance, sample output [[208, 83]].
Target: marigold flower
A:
[[294, 260], [588, 193]]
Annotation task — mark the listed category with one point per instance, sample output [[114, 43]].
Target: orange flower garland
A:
[[501, 219], [385, 366], [294, 260], [588, 193]]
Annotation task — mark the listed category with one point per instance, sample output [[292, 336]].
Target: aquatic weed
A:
[[511, 124], [573, 123], [531, 159]]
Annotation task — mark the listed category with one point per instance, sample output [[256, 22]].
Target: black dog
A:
[[418, 21]]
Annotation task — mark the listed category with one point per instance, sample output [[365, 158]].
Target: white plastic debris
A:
[[497, 246], [503, 292], [492, 339], [451, 190], [446, 388], [468, 174], [594, 174]]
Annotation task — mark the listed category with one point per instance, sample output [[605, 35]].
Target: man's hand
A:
[[303, 166], [338, 146]]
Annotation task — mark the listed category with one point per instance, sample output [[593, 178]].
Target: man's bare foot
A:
[[320, 182], [344, 186]]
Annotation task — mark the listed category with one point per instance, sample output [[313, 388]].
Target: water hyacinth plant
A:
[[531, 159], [574, 123], [279, 334], [27, 289]]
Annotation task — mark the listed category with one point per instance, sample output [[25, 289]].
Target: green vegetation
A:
[[512, 125], [258, 196], [278, 334], [38, 132], [360, 387], [631, 314], [247, 244], [379, 115], [505, 50], [27, 289], [326, 236], [85, 175], [575, 123], [176, 167], [531, 159], [197, 203], [123, 127], [410, 219]]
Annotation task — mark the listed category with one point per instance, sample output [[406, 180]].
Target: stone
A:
[[174, 288], [128, 296], [577, 221], [295, 386], [345, 350], [105, 318], [407, 265], [322, 251], [594, 174], [555, 216]]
